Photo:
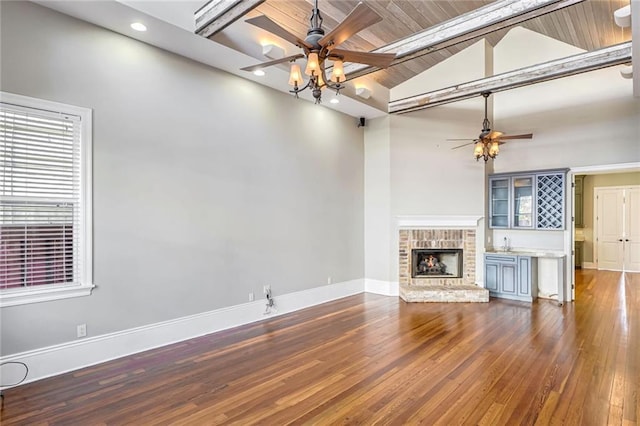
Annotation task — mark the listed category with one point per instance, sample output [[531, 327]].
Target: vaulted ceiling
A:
[[588, 25]]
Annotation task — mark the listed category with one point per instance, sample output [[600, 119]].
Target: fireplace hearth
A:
[[438, 265]]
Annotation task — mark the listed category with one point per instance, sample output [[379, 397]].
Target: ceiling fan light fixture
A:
[[487, 145], [295, 75], [337, 73], [313, 64], [319, 45]]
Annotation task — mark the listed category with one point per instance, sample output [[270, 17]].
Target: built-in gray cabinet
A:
[[578, 250], [533, 200], [499, 190], [522, 212], [511, 277]]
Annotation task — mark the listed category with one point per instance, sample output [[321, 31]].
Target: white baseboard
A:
[[65, 357], [385, 288], [589, 265]]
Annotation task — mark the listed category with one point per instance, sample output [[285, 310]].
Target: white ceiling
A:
[[170, 27]]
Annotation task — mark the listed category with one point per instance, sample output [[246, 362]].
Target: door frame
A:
[[596, 234], [569, 239]]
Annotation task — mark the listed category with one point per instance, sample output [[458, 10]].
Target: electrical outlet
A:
[[266, 289], [81, 330], [329, 280], [251, 297]]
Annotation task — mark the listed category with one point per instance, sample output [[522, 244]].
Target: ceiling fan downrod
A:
[[315, 22], [486, 125]]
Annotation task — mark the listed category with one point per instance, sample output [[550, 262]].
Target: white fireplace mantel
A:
[[448, 222]]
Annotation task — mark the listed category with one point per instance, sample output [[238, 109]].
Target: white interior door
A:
[[610, 228], [632, 230], [618, 228]]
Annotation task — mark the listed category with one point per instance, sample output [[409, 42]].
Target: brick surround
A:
[[423, 289]]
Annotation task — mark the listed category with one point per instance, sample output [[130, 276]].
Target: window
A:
[[45, 200]]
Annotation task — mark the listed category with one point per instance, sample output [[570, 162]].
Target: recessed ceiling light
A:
[[139, 26], [259, 73], [335, 101]]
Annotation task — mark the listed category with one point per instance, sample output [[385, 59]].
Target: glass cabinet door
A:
[[499, 207], [522, 202]]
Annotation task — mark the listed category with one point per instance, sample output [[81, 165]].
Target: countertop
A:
[[528, 252]]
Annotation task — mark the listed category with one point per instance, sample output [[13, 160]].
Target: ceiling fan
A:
[[319, 47], [488, 142]]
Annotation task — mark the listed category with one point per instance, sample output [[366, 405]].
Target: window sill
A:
[[44, 294]]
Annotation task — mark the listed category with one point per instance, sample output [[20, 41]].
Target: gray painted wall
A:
[[206, 186]]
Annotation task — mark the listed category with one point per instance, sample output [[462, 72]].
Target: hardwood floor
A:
[[372, 359]]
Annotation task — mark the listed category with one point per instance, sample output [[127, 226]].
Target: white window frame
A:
[[43, 293]]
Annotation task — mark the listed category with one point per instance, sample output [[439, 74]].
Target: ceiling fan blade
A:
[[380, 60], [360, 18], [466, 144], [527, 136], [462, 139], [268, 25], [494, 135], [274, 62]]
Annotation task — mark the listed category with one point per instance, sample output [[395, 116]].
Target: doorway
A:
[[582, 238], [617, 226]]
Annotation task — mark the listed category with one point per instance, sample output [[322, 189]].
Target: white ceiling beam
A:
[[564, 67], [218, 14], [492, 17]]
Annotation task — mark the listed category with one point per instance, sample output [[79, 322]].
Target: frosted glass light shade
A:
[[320, 81], [478, 150], [337, 74], [295, 76], [494, 150], [312, 64]]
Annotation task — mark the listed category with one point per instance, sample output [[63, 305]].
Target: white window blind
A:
[[42, 212]]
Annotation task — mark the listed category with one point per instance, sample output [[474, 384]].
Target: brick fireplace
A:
[[423, 282]]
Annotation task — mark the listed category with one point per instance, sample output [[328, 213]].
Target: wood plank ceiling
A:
[[588, 25]]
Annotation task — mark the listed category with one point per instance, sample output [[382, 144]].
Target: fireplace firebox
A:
[[436, 263]]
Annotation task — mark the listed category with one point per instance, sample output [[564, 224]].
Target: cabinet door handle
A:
[[620, 240], [627, 240]]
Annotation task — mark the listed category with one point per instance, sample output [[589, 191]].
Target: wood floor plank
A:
[[370, 359]]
